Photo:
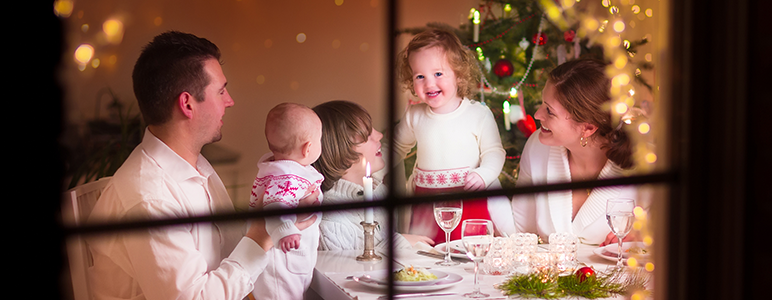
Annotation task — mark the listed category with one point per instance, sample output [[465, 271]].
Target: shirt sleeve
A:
[[404, 138], [281, 226], [167, 264], [492, 154]]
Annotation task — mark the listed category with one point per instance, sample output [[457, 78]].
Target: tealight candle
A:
[[367, 182]]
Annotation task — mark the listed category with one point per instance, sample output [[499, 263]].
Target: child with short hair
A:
[[459, 147], [286, 179]]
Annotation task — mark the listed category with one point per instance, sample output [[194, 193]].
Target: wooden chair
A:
[[77, 206]]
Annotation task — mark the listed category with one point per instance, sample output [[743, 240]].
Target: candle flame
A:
[[367, 170]]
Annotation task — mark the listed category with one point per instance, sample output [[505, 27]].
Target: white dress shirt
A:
[[189, 261]]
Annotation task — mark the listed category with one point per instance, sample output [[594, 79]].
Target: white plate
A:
[[610, 251], [456, 249], [614, 248], [449, 281], [440, 276]]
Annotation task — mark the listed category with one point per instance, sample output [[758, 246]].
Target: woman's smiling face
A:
[[371, 151], [557, 127]]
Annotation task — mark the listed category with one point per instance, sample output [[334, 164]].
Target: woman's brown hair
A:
[[461, 60], [344, 125], [583, 89]]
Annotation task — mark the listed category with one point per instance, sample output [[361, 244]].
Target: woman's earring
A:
[[583, 141]]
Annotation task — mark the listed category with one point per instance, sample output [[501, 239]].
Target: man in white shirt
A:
[[180, 88]]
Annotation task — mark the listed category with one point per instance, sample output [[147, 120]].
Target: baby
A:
[[286, 179]]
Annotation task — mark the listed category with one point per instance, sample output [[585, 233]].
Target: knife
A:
[[403, 296], [442, 256]]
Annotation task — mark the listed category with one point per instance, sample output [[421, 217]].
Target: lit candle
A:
[[506, 115], [476, 22], [367, 182]]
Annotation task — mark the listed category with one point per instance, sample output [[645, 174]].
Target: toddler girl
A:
[[459, 147]]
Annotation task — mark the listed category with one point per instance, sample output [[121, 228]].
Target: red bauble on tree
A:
[[539, 39], [569, 36], [503, 68], [527, 125], [584, 272]]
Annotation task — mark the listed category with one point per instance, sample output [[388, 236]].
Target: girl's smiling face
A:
[[434, 81], [557, 127]]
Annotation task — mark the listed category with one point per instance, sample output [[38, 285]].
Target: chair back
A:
[[77, 206]]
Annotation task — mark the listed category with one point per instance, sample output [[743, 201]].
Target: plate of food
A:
[[456, 249], [376, 279], [610, 252], [415, 276]]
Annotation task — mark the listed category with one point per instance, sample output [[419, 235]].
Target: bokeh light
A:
[[619, 26], [644, 128], [83, 54], [301, 37], [335, 44], [260, 79], [338, 2], [620, 108], [651, 158], [113, 29], [63, 8]]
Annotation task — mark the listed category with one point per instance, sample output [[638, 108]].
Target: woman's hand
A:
[[611, 238], [474, 182], [414, 239]]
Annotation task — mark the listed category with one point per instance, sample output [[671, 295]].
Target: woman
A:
[[576, 142], [348, 141]]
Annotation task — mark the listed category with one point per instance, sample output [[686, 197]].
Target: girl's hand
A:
[[414, 239], [474, 182], [611, 238]]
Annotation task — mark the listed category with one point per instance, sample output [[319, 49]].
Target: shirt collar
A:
[[171, 162]]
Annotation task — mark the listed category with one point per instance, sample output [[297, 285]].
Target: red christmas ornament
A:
[[585, 272], [539, 39], [526, 125], [503, 68], [569, 36]]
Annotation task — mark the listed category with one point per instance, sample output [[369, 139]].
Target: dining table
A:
[[336, 270]]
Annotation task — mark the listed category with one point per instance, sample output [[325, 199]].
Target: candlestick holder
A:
[[369, 253]]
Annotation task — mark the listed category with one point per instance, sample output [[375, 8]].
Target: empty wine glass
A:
[[448, 215], [477, 236], [619, 214]]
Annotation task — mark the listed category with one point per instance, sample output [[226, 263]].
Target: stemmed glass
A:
[[619, 214], [448, 215], [477, 236]]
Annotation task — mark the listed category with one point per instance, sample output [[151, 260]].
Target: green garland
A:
[[601, 285]]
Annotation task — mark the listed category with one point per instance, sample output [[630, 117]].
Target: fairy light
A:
[[636, 9], [513, 92], [647, 240], [644, 128], [649, 267], [649, 12], [619, 26], [650, 158], [632, 262], [480, 55]]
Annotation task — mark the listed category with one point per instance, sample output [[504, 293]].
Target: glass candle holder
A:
[[543, 264], [564, 245], [523, 245], [498, 261]]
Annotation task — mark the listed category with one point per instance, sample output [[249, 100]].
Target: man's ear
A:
[[185, 104]]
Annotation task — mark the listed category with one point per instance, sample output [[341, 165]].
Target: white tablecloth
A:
[[334, 267]]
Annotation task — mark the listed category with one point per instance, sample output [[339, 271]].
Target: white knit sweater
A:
[[340, 230]]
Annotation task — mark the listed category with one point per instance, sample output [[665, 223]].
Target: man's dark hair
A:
[[169, 65]]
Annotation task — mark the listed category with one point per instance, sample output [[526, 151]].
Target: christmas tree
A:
[[517, 46]]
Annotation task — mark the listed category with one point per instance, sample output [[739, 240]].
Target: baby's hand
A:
[[290, 242], [474, 182]]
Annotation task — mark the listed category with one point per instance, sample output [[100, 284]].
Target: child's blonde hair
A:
[[461, 60]]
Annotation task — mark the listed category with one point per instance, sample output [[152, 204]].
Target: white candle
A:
[[367, 182], [506, 116], [476, 22]]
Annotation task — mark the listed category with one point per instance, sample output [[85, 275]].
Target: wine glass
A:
[[477, 236], [448, 215], [619, 214]]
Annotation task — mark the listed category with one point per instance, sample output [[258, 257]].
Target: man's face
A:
[[216, 99]]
